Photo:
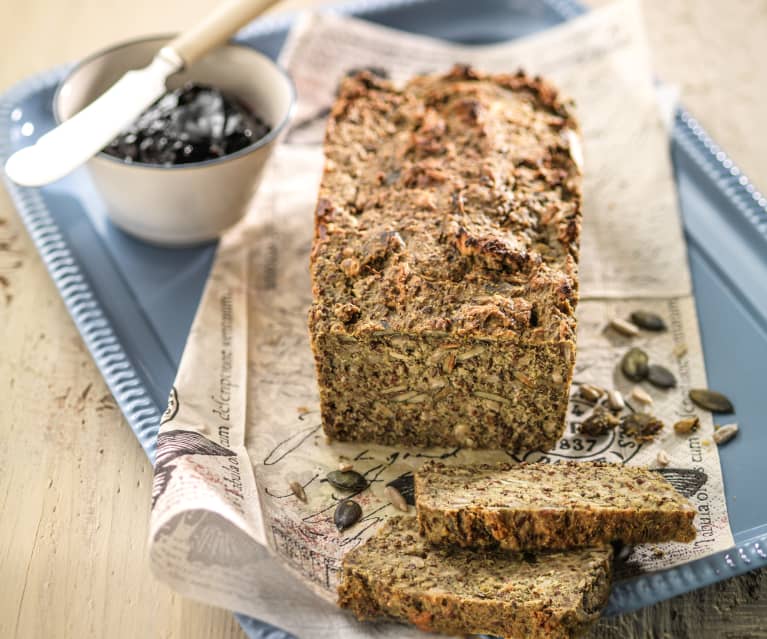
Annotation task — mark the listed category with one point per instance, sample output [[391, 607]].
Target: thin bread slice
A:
[[549, 506], [398, 575]]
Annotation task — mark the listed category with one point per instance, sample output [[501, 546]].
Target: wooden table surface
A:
[[74, 483]]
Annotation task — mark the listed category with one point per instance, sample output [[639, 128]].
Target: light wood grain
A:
[[74, 483]]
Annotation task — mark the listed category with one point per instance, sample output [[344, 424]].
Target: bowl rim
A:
[[254, 146]]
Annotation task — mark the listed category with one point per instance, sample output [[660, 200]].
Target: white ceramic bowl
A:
[[188, 203]]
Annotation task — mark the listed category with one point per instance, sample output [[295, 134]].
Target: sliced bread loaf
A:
[[549, 506]]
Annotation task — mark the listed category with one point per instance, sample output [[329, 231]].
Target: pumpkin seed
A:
[[711, 400], [590, 393], [623, 327], [615, 400], [348, 513], [298, 490], [599, 423], [395, 498], [349, 480], [687, 425], [725, 433], [635, 364], [405, 486], [641, 426], [660, 376], [648, 321]]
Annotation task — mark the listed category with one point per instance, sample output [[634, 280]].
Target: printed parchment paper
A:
[[243, 420]]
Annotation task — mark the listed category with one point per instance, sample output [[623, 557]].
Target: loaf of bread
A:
[[444, 264], [548, 506], [397, 575]]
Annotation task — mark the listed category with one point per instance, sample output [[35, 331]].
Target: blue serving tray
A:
[[134, 303]]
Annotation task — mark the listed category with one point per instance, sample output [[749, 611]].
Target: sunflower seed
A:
[[298, 491], [648, 321], [660, 376], [711, 400], [347, 514], [725, 433], [641, 395], [472, 352], [599, 423], [623, 327], [615, 400], [491, 396], [591, 393], [680, 350], [641, 426], [349, 480], [461, 432], [345, 465], [396, 499], [634, 364], [687, 425], [663, 458]]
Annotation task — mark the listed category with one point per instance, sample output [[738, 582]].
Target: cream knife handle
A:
[[216, 28]]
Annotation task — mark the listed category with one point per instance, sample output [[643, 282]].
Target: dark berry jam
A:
[[191, 124]]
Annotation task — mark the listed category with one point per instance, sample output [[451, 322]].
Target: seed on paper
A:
[[635, 364], [663, 458], [623, 327], [599, 423], [660, 376], [615, 400], [641, 426], [641, 395], [590, 392], [648, 321], [345, 465], [348, 513], [725, 433], [711, 400], [687, 425], [396, 499], [298, 491], [680, 350], [349, 480]]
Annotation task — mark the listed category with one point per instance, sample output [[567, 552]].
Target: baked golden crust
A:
[[549, 506], [448, 220]]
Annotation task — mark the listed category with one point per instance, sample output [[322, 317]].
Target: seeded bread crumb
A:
[[549, 506], [397, 575]]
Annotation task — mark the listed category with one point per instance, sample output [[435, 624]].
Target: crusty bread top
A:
[[451, 205]]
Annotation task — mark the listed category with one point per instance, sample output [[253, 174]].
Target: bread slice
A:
[[549, 506], [397, 575]]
